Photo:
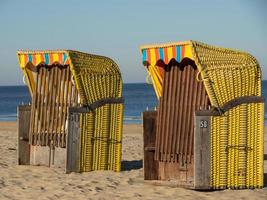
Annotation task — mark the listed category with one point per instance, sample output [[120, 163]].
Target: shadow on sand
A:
[[265, 180], [130, 165], [138, 164]]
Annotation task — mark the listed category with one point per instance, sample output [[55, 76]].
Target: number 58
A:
[[203, 124]]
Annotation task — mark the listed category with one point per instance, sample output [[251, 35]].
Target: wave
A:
[[8, 117], [132, 118]]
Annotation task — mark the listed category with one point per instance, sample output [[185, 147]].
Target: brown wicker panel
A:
[[54, 93], [182, 96]]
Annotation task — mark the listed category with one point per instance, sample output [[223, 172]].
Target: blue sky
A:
[[116, 28]]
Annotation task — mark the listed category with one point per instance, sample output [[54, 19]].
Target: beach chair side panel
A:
[[202, 152], [151, 166], [101, 133], [73, 143], [24, 115]]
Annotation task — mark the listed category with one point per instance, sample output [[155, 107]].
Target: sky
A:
[[117, 29]]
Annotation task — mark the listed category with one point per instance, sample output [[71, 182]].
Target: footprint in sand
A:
[[94, 181], [98, 189], [112, 186], [2, 184], [4, 165], [130, 181], [137, 195], [112, 181]]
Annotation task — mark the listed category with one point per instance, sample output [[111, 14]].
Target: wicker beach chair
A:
[[77, 106], [210, 118]]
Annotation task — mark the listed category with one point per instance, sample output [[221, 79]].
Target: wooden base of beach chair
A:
[[175, 171], [193, 175], [48, 156], [35, 155], [151, 166]]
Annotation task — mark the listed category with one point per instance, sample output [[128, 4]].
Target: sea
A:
[[138, 98]]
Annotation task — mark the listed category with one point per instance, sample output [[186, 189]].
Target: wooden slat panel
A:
[[53, 96], [53, 103], [42, 101], [35, 109], [59, 106], [180, 113], [184, 112], [64, 99], [172, 123], [164, 115], [45, 107], [49, 105], [192, 111], [167, 119], [39, 106], [32, 122], [58, 102], [176, 116], [182, 95], [63, 113], [189, 110]]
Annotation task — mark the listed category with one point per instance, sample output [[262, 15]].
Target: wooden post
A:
[[202, 153], [73, 143], [149, 127], [24, 115]]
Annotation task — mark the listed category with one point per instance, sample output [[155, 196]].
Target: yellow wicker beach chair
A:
[[218, 140], [76, 103]]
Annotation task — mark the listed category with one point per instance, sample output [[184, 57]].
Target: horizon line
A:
[[122, 83]]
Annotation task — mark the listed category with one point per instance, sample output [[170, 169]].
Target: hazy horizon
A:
[[117, 29]]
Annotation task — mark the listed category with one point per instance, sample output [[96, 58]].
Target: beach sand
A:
[[36, 182]]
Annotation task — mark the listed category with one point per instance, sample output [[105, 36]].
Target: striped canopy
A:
[[155, 57], [165, 53], [42, 57]]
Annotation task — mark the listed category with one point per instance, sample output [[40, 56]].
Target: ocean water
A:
[[138, 97]]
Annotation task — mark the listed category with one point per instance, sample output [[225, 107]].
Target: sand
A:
[[36, 182]]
